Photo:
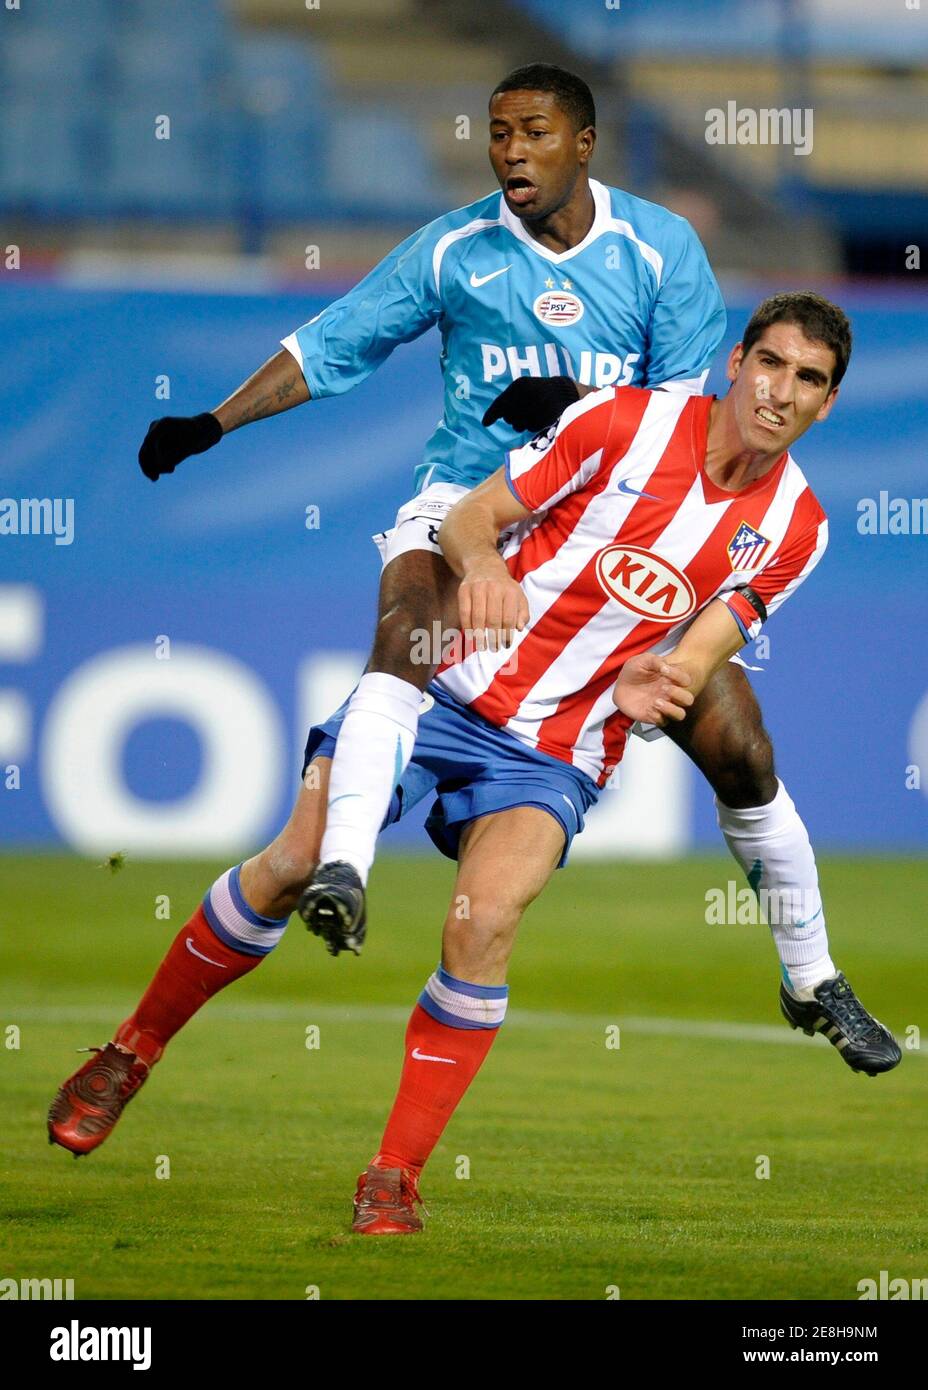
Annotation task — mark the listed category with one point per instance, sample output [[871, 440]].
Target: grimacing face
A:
[[780, 388], [535, 152]]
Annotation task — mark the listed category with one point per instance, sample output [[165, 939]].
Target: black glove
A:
[[175, 437], [533, 402]]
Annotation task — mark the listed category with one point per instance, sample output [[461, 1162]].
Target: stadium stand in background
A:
[[860, 66], [261, 132], [344, 117]]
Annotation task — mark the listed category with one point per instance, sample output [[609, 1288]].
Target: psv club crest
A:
[[559, 308]]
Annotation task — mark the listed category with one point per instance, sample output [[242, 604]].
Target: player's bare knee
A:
[[482, 928], [470, 956], [408, 640], [746, 775]]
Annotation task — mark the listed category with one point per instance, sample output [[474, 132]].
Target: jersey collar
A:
[[602, 216]]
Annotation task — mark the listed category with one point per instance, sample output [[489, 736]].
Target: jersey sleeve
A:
[[396, 302], [688, 320], [571, 453], [790, 566]]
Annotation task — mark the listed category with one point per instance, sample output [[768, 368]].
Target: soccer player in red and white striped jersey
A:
[[630, 526], [653, 537]]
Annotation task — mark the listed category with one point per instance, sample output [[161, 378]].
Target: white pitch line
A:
[[718, 1030]]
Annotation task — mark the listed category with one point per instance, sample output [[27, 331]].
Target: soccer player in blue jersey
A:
[[553, 286]]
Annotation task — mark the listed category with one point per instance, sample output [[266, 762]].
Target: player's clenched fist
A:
[[652, 689], [533, 402], [492, 606], [175, 437]]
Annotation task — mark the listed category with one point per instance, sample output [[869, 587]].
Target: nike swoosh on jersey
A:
[[478, 280], [194, 952], [425, 1057], [623, 486]]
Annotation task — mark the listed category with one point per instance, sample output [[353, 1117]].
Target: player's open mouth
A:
[[769, 417], [520, 190]]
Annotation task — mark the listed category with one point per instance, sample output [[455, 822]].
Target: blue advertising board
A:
[[161, 654]]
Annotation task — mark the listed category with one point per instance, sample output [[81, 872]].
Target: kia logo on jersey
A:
[[643, 582], [558, 307]]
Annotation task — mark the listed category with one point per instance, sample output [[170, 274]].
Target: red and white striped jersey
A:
[[628, 540]]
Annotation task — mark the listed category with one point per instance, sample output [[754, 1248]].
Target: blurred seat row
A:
[[164, 108]]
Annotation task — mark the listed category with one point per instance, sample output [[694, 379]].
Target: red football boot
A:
[[90, 1102], [385, 1202]]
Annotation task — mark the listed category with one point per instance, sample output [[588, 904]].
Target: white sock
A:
[[372, 752], [772, 846]]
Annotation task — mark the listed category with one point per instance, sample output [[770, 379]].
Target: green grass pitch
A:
[[591, 1168]]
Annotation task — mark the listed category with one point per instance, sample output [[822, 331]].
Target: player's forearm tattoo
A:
[[276, 386], [255, 410], [286, 388]]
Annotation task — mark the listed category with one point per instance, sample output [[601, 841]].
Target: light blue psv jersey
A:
[[633, 304]]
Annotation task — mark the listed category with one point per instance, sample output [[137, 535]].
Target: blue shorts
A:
[[476, 769]]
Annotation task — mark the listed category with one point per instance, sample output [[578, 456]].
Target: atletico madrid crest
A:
[[746, 548]]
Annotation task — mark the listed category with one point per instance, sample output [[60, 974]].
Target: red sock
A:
[[430, 1089], [197, 966]]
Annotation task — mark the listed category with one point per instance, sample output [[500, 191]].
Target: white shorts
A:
[[418, 520]]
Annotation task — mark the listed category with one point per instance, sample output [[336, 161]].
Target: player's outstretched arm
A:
[[278, 385], [656, 688], [707, 644], [491, 604]]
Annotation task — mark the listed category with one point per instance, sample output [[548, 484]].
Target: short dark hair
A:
[[570, 92], [820, 320]]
